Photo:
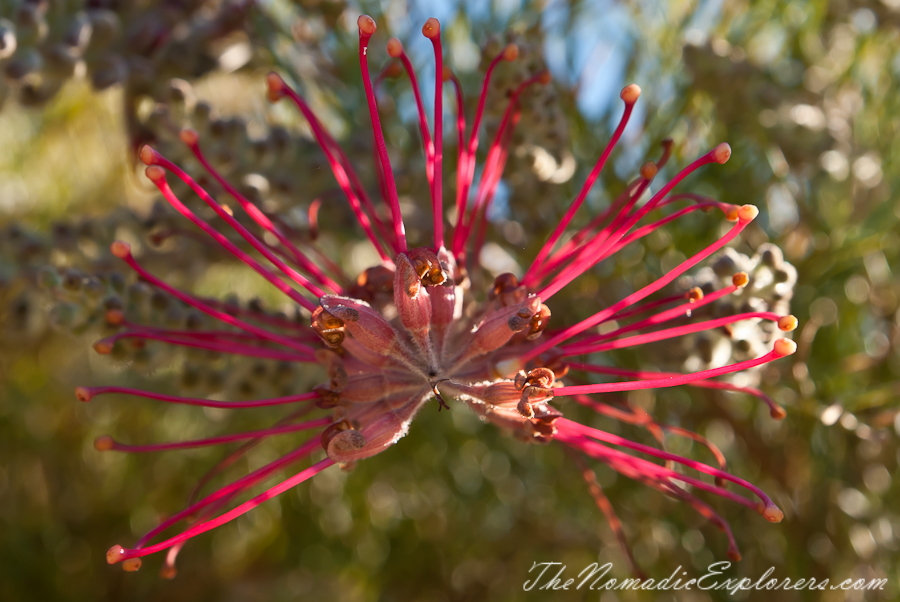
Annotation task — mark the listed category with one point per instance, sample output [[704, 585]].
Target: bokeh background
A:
[[805, 93]]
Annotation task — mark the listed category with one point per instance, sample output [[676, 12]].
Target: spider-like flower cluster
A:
[[411, 330]]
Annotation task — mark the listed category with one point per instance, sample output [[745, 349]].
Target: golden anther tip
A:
[[155, 173], [787, 323], [103, 347], [274, 87], [114, 317], [511, 52], [773, 514], [695, 294], [83, 394], [544, 77], [104, 443], [189, 136], [648, 170], [731, 214], [394, 48], [274, 81], [747, 213], [722, 153], [778, 413], [131, 565], [447, 75], [366, 25], [741, 279], [148, 155], [114, 554], [120, 249], [631, 93], [785, 347], [432, 28]]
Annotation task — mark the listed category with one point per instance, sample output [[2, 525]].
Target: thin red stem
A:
[[469, 174], [280, 284], [242, 449], [194, 334], [212, 345], [278, 430], [491, 188], [606, 507], [667, 333], [437, 193], [596, 255], [427, 144], [645, 230], [582, 195], [565, 425], [399, 229], [643, 470], [591, 250], [648, 423], [462, 155], [774, 409], [636, 296], [90, 392], [493, 167], [260, 218], [229, 490], [671, 381], [205, 526], [211, 311], [340, 168], [683, 310], [641, 308]]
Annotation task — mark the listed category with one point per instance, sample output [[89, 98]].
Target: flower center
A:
[[410, 333]]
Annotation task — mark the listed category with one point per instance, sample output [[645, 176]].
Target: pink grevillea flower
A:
[[411, 330]]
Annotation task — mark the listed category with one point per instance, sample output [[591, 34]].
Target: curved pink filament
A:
[[462, 154], [232, 248], [232, 488], [469, 174], [220, 346], [582, 195], [343, 173], [585, 263], [278, 430], [208, 403], [683, 310], [636, 296], [776, 410], [211, 311], [667, 333], [205, 526], [427, 144], [567, 427], [437, 193], [260, 218], [390, 184], [671, 381]]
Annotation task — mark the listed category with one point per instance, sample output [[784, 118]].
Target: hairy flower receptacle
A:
[[431, 346]]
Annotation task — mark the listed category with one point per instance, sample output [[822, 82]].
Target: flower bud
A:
[[365, 324]]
